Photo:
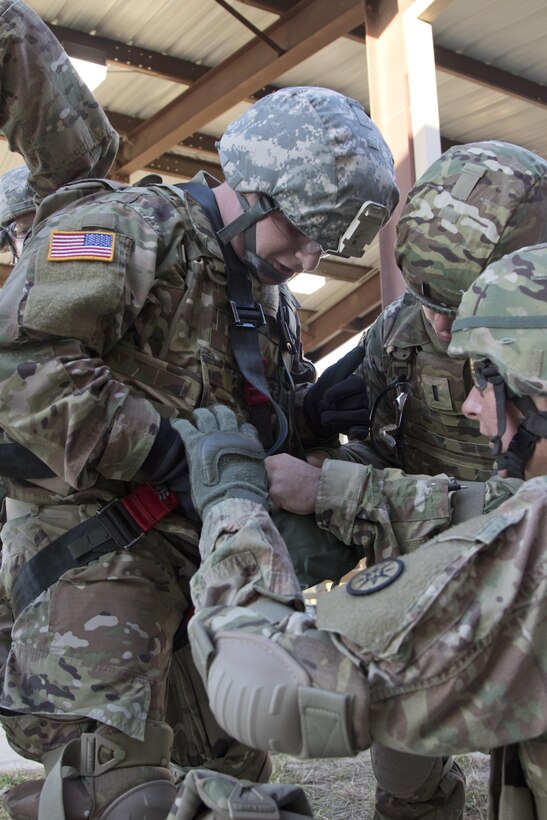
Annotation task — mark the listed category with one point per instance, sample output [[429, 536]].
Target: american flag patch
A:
[[66, 246]]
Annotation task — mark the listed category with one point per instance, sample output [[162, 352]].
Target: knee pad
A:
[[264, 697], [406, 775]]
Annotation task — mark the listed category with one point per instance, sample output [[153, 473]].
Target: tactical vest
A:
[[177, 352], [436, 436]]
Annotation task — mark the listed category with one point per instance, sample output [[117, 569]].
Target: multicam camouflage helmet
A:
[[503, 317], [475, 204], [318, 156], [16, 195]]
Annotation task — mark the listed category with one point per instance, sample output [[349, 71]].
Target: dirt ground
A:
[[343, 789]]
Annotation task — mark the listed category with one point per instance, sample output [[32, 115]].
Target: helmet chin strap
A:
[[530, 430], [246, 223]]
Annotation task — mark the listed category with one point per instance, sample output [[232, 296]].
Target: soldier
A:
[[474, 204], [437, 652], [131, 305], [17, 209]]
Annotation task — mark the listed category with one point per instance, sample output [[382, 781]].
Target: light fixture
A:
[[89, 62], [306, 283], [91, 73]]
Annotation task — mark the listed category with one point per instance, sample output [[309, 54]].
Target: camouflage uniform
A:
[[476, 203], [437, 652], [473, 205], [94, 355], [437, 437], [142, 336], [16, 200]]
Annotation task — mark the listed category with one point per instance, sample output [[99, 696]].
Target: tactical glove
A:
[[225, 458], [338, 401]]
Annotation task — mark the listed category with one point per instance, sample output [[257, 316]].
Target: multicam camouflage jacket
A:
[[97, 342], [435, 435], [456, 644], [389, 513]]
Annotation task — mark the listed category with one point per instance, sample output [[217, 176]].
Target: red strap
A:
[[146, 506], [253, 396]]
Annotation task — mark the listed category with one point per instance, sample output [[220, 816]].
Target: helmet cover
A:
[[314, 152], [475, 204], [503, 317]]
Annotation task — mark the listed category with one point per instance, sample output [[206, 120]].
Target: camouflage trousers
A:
[[97, 647]]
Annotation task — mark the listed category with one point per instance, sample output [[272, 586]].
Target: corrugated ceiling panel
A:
[[469, 112], [198, 30], [341, 65], [510, 34]]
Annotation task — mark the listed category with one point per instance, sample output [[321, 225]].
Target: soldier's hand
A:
[[293, 483], [225, 458], [338, 401]]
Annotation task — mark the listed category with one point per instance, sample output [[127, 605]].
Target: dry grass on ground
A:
[[343, 789]]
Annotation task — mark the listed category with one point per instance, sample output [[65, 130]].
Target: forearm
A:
[[384, 511], [243, 556], [47, 113], [388, 512], [90, 424]]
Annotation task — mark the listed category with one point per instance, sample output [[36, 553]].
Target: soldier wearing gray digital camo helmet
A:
[[129, 306], [307, 152], [473, 205], [436, 652], [17, 208]]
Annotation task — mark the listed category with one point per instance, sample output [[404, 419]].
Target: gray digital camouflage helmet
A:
[[16, 195], [475, 204], [315, 155]]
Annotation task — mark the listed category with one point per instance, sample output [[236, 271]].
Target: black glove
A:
[[338, 401], [166, 466]]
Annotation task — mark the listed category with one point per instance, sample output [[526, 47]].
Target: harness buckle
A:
[[120, 525], [247, 316]]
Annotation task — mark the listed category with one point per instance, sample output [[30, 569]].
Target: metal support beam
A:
[[308, 27], [489, 76], [176, 69], [331, 323], [357, 326]]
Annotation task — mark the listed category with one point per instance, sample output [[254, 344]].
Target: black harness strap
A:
[[247, 315], [118, 525]]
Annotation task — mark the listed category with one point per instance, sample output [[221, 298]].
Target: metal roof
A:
[[491, 83]]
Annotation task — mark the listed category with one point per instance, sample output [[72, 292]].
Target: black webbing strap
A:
[[18, 462], [247, 315], [118, 525]]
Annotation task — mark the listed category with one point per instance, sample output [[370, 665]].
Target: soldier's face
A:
[[480, 405], [440, 322], [287, 249]]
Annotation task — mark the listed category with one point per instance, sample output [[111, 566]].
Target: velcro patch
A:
[[68, 246], [375, 578]]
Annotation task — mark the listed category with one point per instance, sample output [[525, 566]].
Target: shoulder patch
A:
[[375, 578], [68, 246]]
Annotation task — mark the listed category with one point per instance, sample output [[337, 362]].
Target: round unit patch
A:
[[375, 578]]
